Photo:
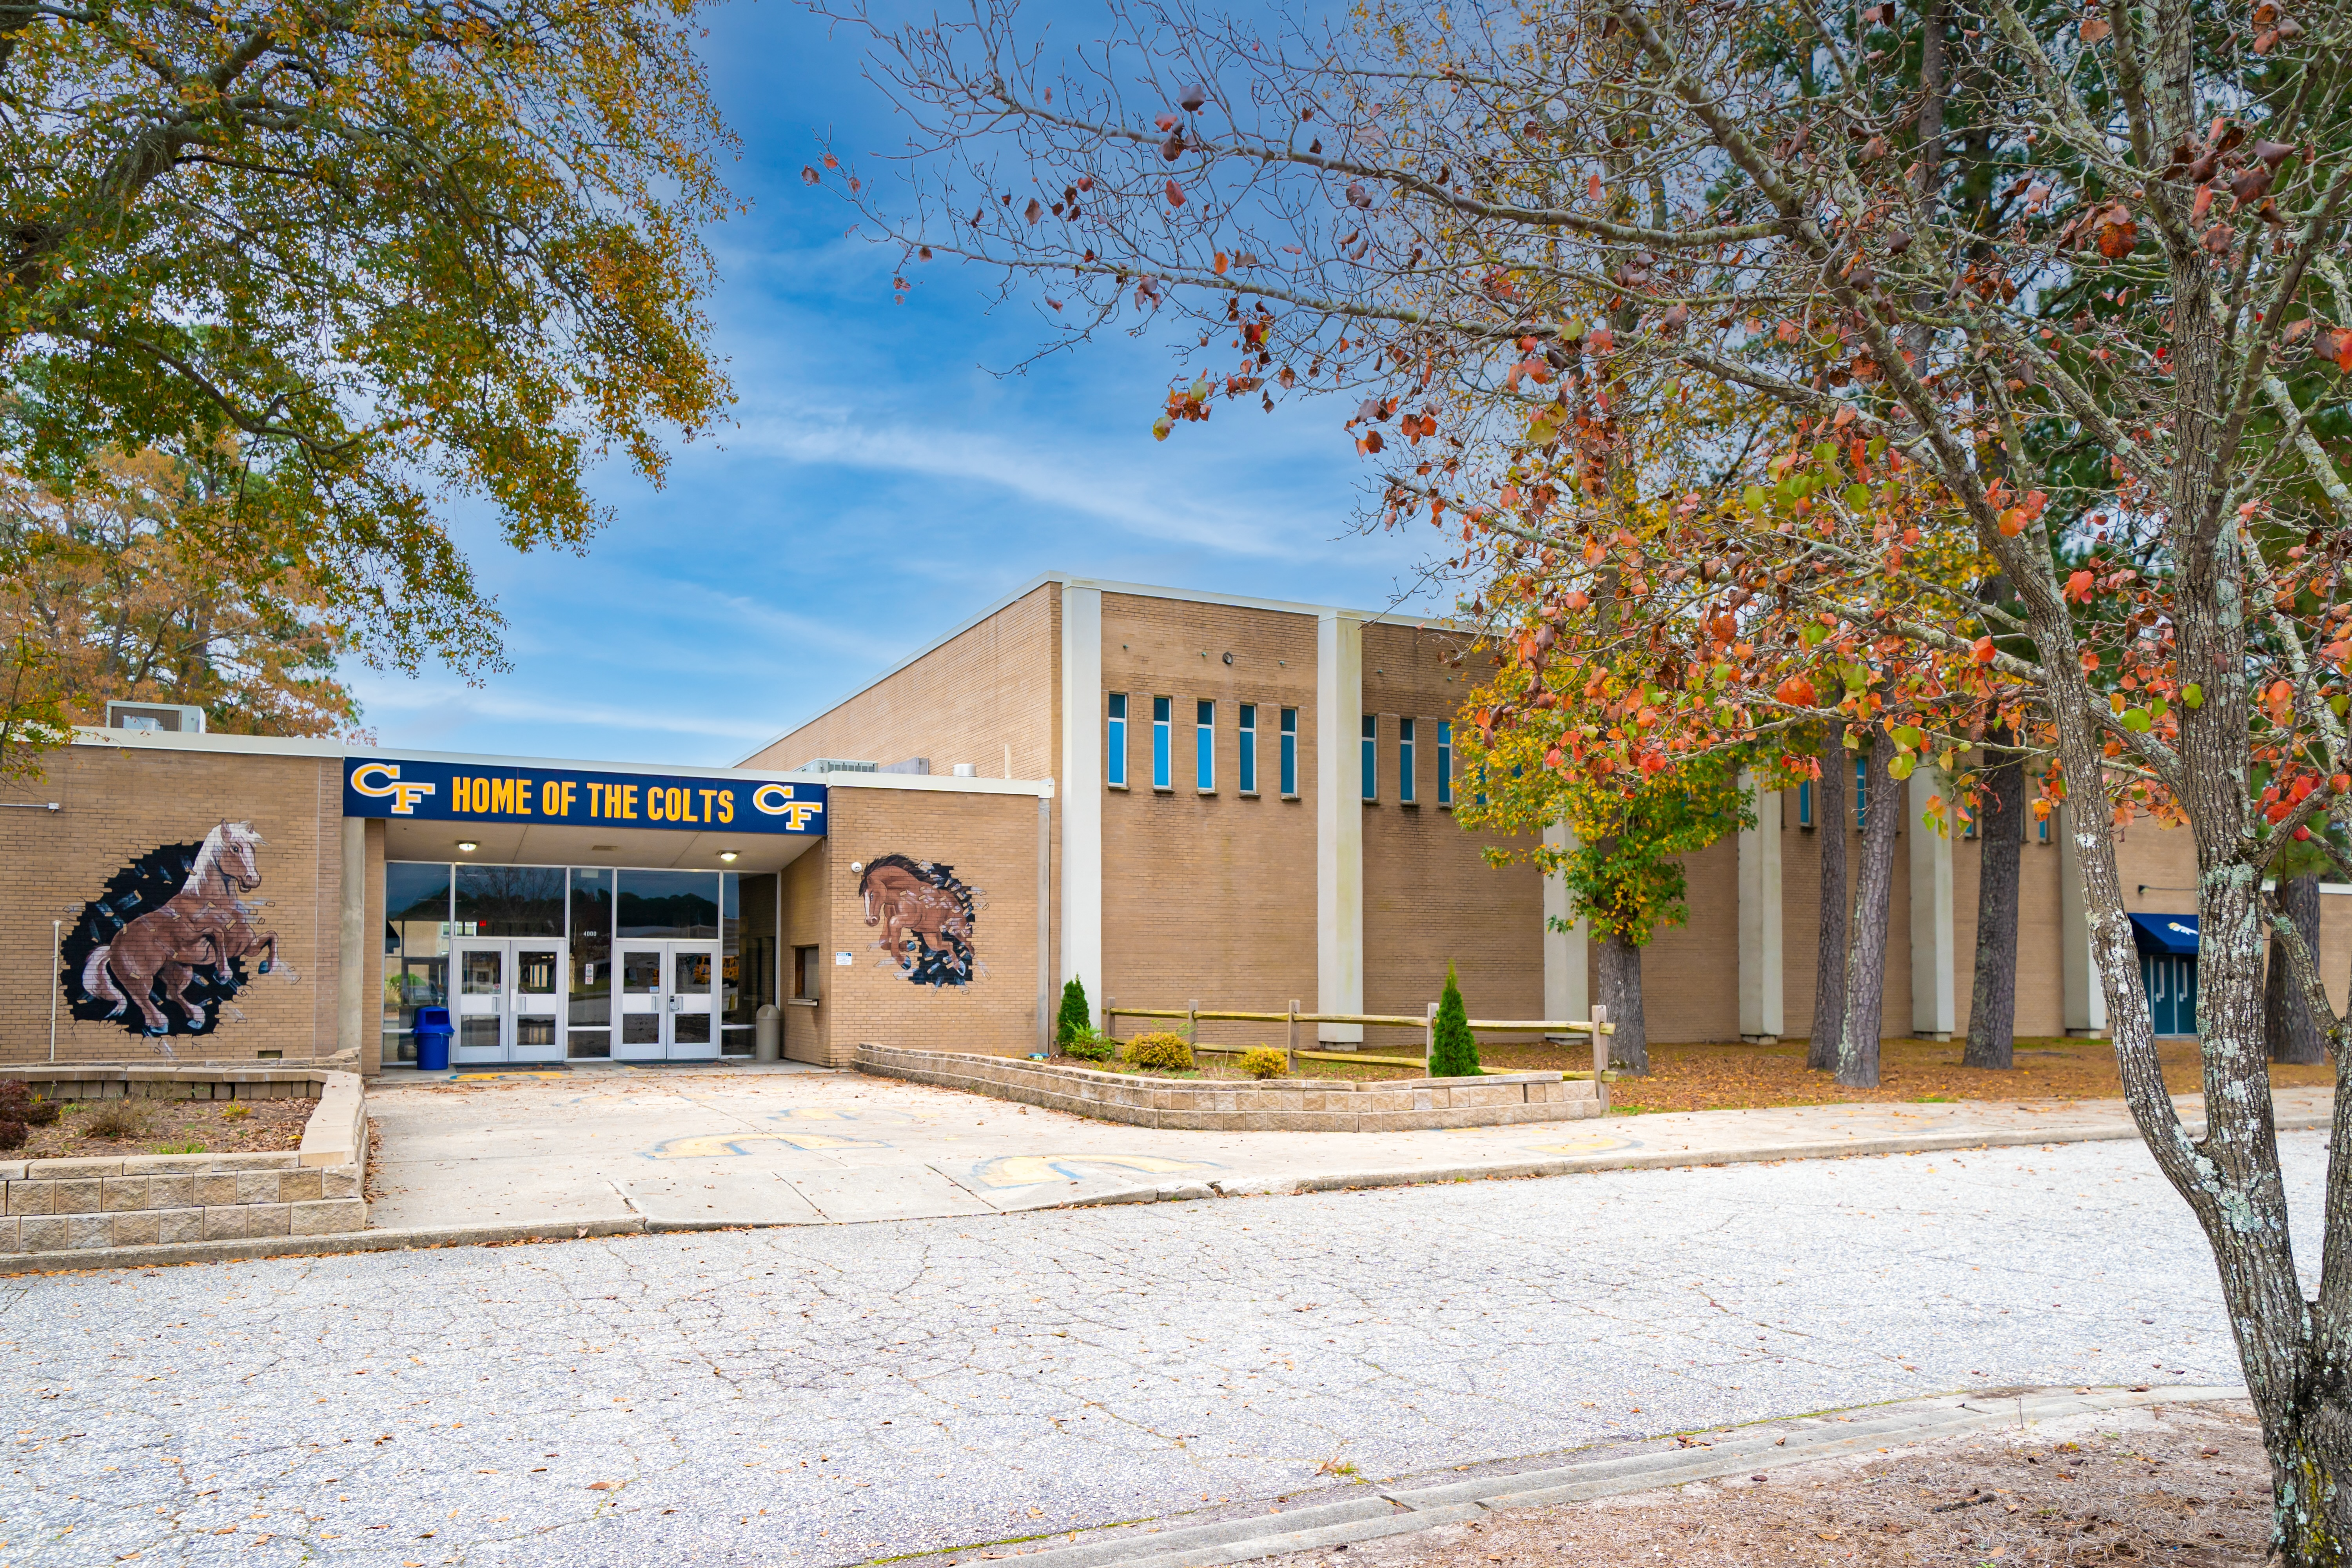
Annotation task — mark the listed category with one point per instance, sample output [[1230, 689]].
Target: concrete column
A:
[[1567, 962], [1761, 973], [2086, 1005], [1339, 823], [1933, 1007], [1080, 788], [351, 948]]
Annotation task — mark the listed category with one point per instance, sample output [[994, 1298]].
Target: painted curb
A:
[[1174, 1192], [1381, 1511]]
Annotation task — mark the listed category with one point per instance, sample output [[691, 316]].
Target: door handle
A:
[[677, 1003]]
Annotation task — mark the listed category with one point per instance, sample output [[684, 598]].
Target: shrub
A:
[[19, 1103], [117, 1119], [236, 1110], [1090, 1045], [1453, 1051], [179, 1148], [1160, 1052], [1265, 1062], [1076, 1018], [12, 1134]]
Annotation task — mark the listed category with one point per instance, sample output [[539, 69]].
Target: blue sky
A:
[[880, 484]]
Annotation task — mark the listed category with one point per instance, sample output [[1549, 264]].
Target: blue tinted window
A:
[[1204, 745], [1290, 751], [1249, 748], [1114, 742], [1371, 757], [1445, 762], [1161, 764], [1404, 760]]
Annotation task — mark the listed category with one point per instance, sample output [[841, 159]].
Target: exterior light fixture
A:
[[727, 856], [467, 845]]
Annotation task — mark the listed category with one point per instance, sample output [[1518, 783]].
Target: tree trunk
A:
[[2287, 1016], [1617, 968], [1874, 891], [1829, 960], [2001, 834]]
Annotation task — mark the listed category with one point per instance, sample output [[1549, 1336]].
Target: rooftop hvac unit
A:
[[179, 718], [836, 766], [911, 765]]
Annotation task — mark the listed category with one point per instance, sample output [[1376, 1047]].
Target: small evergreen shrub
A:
[[236, 1110], [1162, 1052], [1076, 1019], [12, 1134], [1453, 1050], [1265, 1062], [1090, 1045]]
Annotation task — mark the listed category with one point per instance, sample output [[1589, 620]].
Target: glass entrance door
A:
[[509, 996], [668, 1000]]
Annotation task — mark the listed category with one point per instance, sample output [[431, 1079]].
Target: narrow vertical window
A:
[[2041, 830], [1404, 762], [1445, 762], [1862, 794], [1249, 748], [1114, 742], [1805, 802], [1290, 751], [1371, 757], [1204, 746], [1162, 763]]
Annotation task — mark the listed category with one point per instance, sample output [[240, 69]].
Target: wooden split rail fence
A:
[[1598, 1027]]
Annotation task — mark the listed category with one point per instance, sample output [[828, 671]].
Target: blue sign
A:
[[401, 790]]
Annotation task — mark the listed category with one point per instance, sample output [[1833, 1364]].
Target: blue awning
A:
[[2165, 933]]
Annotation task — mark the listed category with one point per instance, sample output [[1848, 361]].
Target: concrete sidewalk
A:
[[691, 1149]]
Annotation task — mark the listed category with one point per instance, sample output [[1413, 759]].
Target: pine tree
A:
[[1453, 1051], [1076, 1018]]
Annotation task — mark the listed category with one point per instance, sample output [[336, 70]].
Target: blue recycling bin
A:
[[433, 1032]]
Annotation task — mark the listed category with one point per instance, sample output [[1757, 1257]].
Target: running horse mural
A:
[[165, 949], [926, 916]]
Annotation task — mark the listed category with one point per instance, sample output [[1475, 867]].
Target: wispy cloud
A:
[[1065, 475], [427, 706]]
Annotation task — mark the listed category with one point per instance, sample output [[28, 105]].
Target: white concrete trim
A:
[[1934, 1005], [1567, 953], [1762, 979], [1339, 823], [350, 996], [2085, 1004], [1082, 801]]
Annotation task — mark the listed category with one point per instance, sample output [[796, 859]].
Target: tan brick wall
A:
[[1430, 897], [1209, 896], [991, 842], [994, 686], [121, 803]]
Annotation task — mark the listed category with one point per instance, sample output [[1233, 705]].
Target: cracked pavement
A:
[[816, 1395]]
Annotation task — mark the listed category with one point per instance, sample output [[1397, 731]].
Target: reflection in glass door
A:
[[668, 1003], [509, 996]]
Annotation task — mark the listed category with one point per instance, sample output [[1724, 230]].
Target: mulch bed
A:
[[169, 1127], [2186, 1485]]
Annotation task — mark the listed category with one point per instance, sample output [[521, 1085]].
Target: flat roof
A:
[[1068, 580], [325, 748]]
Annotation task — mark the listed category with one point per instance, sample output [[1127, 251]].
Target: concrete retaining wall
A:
[[77, 1205], [1277, 1105]]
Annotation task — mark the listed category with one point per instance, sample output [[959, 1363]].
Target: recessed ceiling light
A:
[[467, 845], [727, 856]]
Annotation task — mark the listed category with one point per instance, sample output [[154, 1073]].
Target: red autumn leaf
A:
[[1795, 692], [2078, 587], [1981, 650], [1175, 194]]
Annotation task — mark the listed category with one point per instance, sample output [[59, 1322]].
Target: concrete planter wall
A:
[[154, 1200], [1277, 1105]]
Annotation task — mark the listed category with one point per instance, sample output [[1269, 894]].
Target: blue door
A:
[[2170, 982]]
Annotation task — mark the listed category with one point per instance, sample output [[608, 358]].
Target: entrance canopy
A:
[[2173, 935]]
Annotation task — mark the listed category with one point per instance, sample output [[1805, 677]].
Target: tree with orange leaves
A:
[[2020, 333]]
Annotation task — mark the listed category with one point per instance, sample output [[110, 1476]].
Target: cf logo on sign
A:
[[382, 779], [776, 800]]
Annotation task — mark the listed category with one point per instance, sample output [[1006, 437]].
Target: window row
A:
[[1204, 749], [2039, 829]]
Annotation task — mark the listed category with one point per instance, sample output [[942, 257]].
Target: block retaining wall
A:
[[1277, 1105], [85, 1205]]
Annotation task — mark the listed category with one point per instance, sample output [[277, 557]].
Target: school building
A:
[[1174, 797]]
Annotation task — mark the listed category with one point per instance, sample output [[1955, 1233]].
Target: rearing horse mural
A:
[[165, 947], [927, 914]]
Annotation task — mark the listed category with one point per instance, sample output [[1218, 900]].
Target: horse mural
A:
[[927, 917], [165, 949]]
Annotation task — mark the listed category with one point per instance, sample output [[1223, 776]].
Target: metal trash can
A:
[[433, 1033], [767, 1033]]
